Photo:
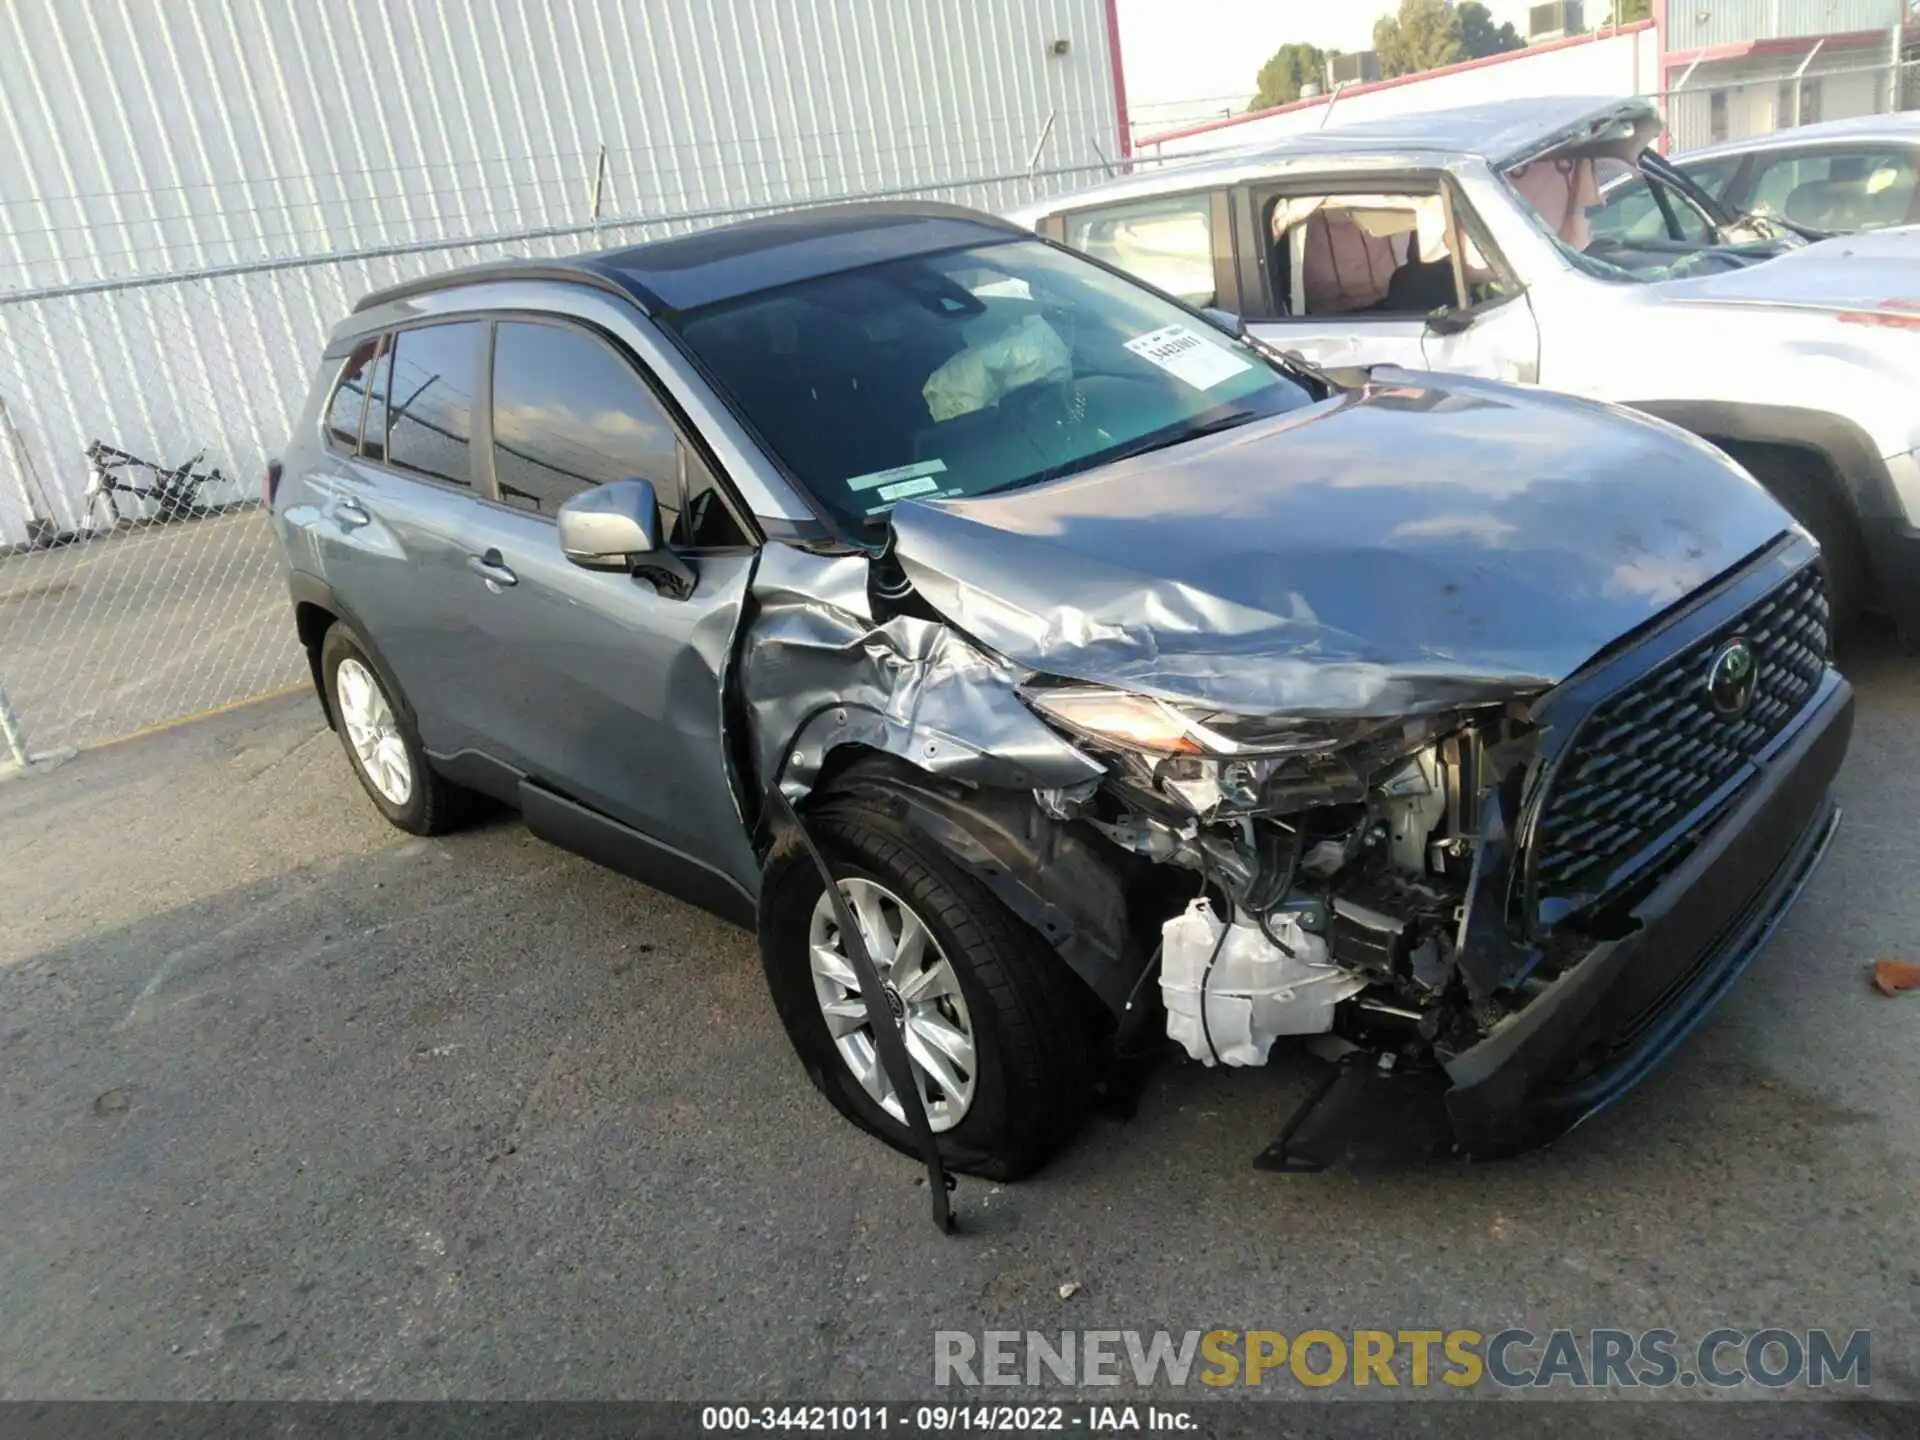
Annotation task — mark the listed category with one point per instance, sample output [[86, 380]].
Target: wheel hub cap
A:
[[921, 992], [373, 734]]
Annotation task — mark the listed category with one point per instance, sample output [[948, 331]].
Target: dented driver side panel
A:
[[837, 686]]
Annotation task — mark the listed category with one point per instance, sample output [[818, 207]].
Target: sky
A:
[[1189, 60]]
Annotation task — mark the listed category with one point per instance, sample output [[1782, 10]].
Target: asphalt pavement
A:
[[294, 1105]]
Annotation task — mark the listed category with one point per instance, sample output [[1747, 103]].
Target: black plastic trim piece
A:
[[1844, 444], [497, 271], [586, 832], [1061, 884]]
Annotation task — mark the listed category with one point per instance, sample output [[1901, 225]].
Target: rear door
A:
[[395, 520], [599, 686]]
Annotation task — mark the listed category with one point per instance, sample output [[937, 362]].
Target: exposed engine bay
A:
[[1332, 883]]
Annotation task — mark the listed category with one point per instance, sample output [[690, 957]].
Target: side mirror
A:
[[617, 527], [1225, 320], [1445, 321]]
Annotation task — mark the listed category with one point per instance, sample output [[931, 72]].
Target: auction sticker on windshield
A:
[[1185, 356], [891, 478], [906, 488]]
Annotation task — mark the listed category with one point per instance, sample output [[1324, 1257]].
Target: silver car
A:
[[1543, 240], [1838, 177], [1136, 687]]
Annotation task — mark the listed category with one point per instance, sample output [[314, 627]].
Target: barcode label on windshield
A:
[[878, 478], [1187, 357]]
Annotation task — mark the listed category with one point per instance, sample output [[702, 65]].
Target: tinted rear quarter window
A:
[[349, 398], [430, 400]]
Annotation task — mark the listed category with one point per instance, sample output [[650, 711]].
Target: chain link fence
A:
[[1712, 102], [139, 582]]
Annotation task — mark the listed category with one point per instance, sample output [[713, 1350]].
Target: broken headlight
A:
[[1141, 722], [1216, 762]]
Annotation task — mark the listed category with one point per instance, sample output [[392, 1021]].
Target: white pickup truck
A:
[[1477, 240]]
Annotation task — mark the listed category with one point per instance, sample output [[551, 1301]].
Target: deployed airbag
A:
[[978, 376]]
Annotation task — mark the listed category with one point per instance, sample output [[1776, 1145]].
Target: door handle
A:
[[491, 568], [350, 514]]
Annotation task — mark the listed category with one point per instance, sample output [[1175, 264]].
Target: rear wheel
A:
[[382, 745], [999, 1033]]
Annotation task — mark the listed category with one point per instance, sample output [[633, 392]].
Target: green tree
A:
[[1423, 35], [1480, 36], [1629, 12], [1290, 67]]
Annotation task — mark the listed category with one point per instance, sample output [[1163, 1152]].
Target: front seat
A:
[[1422, 287], [1820, 204]]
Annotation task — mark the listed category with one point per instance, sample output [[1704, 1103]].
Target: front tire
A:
[[377, 731], [999, 1030]]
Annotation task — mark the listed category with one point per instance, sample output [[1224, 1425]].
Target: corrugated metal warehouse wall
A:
[[1699, 24], [152, 137]]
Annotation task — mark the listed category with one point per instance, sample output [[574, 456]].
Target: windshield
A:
[[1614, 220], [971, 371]]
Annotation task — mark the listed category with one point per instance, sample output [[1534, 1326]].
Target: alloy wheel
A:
[[372, 732], [922, 995]]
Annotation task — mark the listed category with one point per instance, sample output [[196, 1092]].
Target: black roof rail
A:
[[493, 271]]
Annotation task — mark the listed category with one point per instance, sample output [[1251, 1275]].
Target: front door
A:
[[1348, 275], [605, 690], [1382, 272], [1500, 341]]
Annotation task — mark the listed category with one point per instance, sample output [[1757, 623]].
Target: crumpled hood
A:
[[1398, 549], [1875, 272]]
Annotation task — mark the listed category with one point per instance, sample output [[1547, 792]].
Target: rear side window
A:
[[429, 410], [349, 400], [1166, 242]]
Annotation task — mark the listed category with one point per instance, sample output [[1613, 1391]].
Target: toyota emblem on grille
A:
[[1730, 679]]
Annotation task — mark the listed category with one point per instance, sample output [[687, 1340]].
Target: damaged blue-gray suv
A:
[[1140, 687]]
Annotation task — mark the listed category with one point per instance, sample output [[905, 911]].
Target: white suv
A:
[[1474, 241]]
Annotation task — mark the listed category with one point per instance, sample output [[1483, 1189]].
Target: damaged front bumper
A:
[[1612, 1017]]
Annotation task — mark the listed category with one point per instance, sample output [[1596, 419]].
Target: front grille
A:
[[1652, 752]]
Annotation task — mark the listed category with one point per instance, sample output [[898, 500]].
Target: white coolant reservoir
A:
[[1253, 992]]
